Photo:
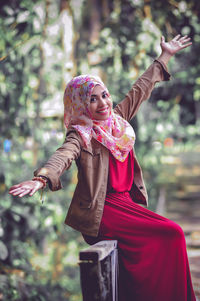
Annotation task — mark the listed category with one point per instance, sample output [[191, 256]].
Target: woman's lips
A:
[[103, 111]]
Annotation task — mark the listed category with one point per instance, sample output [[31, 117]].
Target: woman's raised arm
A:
[[142, 88]]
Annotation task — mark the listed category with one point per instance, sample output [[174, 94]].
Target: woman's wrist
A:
[[41, 180], [165, 57]]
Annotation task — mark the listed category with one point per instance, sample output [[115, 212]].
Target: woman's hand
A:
[[170, 48], [176, 44], [27, 187]]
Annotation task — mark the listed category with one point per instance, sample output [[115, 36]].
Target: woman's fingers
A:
[[186, 45], [36, 187], [186, 40], [13, 188], [183, 38], [162, 39], [176, 37], [18, 187], [15, 191], [21, 191], [26, 191], [183, 41], [27, 187], [33, 191]]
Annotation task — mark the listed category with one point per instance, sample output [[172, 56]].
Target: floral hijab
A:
[[115, 133]]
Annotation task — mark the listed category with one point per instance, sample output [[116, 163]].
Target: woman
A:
[[152, 251]]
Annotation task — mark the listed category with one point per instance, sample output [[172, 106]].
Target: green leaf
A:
[[3, 251]]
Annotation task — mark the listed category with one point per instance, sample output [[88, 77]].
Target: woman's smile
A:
[[103, 110]]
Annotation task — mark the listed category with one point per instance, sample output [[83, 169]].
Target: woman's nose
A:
[[102, 101]]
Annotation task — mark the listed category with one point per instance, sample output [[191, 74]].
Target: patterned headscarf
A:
[[115, 133]]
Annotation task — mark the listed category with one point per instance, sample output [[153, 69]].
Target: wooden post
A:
[[99, 271]]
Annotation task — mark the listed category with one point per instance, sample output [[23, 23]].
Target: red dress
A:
[[152, 251]]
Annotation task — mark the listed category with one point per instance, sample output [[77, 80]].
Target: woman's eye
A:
[[92, 99], [104, 95]]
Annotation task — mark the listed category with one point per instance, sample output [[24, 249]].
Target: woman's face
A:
[[100, 103]]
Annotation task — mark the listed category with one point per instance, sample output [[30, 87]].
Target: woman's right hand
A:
[[24, 188]]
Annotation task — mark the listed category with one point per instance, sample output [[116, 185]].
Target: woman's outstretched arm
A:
[[142, 88], [53, 169]]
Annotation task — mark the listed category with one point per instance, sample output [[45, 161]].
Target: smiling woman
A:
[[110, 185], [100, 103], [88, 109]]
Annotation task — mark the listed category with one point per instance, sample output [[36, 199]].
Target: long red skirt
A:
[[153, 260]]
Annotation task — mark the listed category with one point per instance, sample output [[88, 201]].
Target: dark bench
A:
[[99, 271]]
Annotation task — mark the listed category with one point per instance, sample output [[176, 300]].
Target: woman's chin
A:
[[102, 117]]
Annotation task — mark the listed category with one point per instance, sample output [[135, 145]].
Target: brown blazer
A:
[[87, 204]]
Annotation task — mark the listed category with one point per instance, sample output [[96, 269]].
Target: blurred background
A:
[[43, 44]]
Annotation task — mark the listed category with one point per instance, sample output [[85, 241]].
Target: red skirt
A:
[[153, 260]]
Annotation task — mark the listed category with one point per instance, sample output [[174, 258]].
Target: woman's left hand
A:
[[170, 48], [176, 44]]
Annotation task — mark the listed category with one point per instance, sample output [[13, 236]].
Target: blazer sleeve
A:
[[141, 90], [61, 160]]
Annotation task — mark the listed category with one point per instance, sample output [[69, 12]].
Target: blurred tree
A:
[[33, 34]]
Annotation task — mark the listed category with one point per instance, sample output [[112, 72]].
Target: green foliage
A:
[[38, 254], [32, 268]]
